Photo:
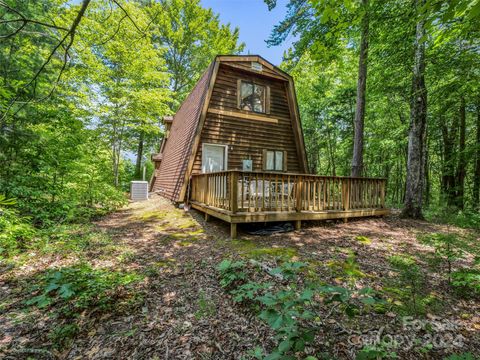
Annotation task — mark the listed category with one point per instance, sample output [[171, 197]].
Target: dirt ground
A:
[[185, 314]]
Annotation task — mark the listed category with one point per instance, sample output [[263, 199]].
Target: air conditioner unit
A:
[[139, 190]]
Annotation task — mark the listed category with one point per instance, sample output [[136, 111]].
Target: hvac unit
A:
[[139, 190]]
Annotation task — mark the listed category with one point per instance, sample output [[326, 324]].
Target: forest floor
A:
[[143, 283]]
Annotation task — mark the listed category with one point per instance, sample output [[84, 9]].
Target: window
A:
[[274, 160], [253, 97], [257, 66]]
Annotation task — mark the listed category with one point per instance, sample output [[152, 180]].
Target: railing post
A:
[[299, 194], [233, 192], [346, 193], [205, 194]]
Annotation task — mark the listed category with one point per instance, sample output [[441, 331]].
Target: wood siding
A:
[[247, 138]]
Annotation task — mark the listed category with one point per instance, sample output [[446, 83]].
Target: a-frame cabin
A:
[[235, 150]]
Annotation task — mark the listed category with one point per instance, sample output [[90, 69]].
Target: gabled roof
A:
[[182, 145], [179, 144]]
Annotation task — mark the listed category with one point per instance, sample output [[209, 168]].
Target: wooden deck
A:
[[244, 197]]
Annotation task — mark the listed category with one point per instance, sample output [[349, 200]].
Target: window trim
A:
[[225, 155], [284, 162], [253, 83]]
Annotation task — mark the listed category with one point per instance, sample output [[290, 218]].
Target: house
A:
[[235, 150]]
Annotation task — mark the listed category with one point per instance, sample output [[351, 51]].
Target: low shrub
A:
[[468, 219], [289, 306], [79, 287], [467, 281], [16, 232]]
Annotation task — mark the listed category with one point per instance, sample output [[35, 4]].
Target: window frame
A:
[[266, 95], [284, 160], [225, 156]]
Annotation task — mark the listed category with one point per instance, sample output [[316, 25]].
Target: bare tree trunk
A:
[[476, 179], [462, 160], [357, 159], [138, 163], [418, 120], [449, 137], [426, 169]]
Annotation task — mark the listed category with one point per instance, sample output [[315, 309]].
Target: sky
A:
[[255, 23]]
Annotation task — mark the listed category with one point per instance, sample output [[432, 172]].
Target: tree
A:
[[418, 120], [357, 158], [132, 83], [323, 25], [476, 181], [192, 37]]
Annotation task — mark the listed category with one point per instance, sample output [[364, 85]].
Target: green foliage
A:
[[410, 281], [231, 273], [63, 154], [63, 335], [468, 219], [467, 281], [193, 36], [206, 307], [80, 287], [347, 268], [16, 232], [249, 291], [448, 248], [348, 299], [377, 352], [462, 356], [324, 59], [289, 310]]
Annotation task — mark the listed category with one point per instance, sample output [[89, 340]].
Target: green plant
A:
[[290, 310], [80, 286], [467, 280], [448, 249], [284, 312], [348, 298], [62, 336], [377, 352], [469, 219], [462, 356], [16, 232], [206, 307], [410, 279], [231, 272], [347, 268], [249, 291]]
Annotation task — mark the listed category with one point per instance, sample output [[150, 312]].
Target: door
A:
[[214, 158]]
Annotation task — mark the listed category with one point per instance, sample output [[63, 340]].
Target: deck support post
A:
[[345, 220], [207, 217], [233, 231], [298, 224]]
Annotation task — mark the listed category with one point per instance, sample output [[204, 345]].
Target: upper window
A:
[[252, 97]]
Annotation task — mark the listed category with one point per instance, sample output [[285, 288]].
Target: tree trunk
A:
[[462, 160], [418, 119], [426, 169], [138, 164], [357, 159], [448, 168], [476, 179]]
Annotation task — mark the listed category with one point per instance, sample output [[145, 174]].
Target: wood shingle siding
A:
[[245, 137]]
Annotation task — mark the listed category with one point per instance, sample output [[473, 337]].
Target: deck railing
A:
[[241, 191]]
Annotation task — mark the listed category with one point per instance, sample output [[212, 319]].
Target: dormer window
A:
[[253, 97]]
